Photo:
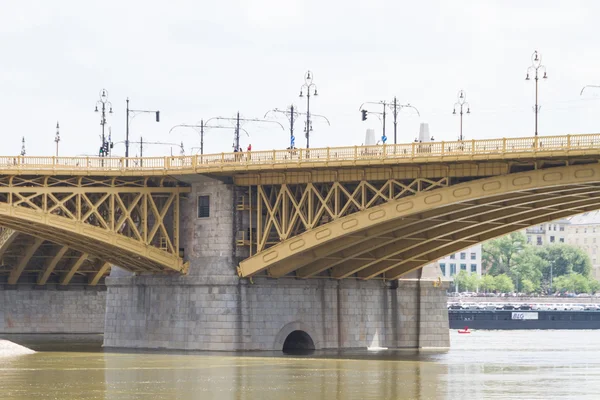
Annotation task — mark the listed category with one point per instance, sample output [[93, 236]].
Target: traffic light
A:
[[364, 114], [158, 116]]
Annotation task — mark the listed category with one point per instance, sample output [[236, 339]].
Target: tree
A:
[[563, 259], [594, 286], [460, 281], [504, 284], [528, 265], [498, 254], [528, 287], [574, 283], [487, 283], [472, 282]]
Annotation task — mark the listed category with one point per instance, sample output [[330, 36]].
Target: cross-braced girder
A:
[[395, 237], [129, 222], [284, 211]]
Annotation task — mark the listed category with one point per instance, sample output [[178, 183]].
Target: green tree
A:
[[563, 259], [488, 283], [528, 265], [504, 284], [460, 281], [594, 286], [472, 282], [498, 254], [574, 283], [528, 287]]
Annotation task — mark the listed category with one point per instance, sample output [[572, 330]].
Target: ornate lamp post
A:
[[103, 103], [536, 68], [459, 105], [57, 138], [307, 88]]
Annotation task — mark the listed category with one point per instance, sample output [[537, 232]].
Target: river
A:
[[482, 365]]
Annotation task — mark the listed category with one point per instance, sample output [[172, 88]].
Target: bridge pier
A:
[[212, 309], [50, 309]]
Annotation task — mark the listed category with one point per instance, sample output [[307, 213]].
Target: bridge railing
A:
[[489, 148]]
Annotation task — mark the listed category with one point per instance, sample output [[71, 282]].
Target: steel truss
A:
[[284, 211], [129, 222]]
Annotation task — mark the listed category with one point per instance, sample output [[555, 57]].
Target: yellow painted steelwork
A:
[[398, 234], [129, 222], [303, 159]]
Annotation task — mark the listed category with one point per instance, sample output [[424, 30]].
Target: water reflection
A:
[[544, 365]]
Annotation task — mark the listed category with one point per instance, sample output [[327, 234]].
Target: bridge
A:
[[365, 212], [320, 237]]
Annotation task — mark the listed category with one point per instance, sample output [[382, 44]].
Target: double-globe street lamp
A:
[[292, 115], [308, 89], [103, 103], [460, 104], [536, 69]]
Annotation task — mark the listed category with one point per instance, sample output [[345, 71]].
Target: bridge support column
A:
[[423, 312]]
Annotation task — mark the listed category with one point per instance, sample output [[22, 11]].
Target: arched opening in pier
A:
[[298, 342]]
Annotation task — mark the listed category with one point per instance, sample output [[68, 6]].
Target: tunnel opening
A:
[[298, 342]]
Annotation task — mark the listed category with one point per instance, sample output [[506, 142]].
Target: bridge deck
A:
[[430, 152]]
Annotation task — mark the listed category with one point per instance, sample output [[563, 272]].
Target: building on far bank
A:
[[584, 232], [548, 233], [468, 260]]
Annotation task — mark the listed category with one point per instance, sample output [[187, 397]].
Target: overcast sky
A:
[[201, 59]]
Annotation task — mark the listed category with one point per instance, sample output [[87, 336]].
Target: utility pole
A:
[[135, 112], [103, 103], [57, 138], [292, 115], [23, 152], [236, 137], [396, 108], [306, 88], [460, 103], [536, 66]]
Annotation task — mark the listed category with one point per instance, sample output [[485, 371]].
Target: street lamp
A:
[[57, 138], [23, 146], [307, 88], [104, 103], [460, 103], [134, 112], [536, 67]]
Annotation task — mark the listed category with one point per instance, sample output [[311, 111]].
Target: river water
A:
[[482, 365]]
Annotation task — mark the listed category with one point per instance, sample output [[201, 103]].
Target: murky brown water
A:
[[483, 365]]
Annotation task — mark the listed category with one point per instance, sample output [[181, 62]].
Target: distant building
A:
[[549, 233], [468, 260], [584, 232]]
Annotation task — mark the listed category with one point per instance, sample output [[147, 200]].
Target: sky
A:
[[196, 60]]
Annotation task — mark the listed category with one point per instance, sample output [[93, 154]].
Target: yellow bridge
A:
[[349, 212]]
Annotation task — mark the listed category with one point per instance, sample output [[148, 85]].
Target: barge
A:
[[518, 319]]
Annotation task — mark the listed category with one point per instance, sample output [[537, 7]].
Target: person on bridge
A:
[[249, 150]]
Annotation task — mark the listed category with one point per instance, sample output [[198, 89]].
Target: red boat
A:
[[466, 330]]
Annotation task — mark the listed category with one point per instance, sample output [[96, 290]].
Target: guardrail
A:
[[426, 151]]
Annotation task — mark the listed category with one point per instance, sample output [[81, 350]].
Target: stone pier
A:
[[212, 309], [52, 310]]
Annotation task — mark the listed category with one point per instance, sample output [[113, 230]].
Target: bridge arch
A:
[[392, 239], [129, 222], [298, 332]]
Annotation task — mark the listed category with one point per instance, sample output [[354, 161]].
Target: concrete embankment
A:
[[10, 349]]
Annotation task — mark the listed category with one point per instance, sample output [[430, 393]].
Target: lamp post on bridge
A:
[[23, 152], [460, 103], [536, 68], [57, 138], [307, 87], [104, 103]]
